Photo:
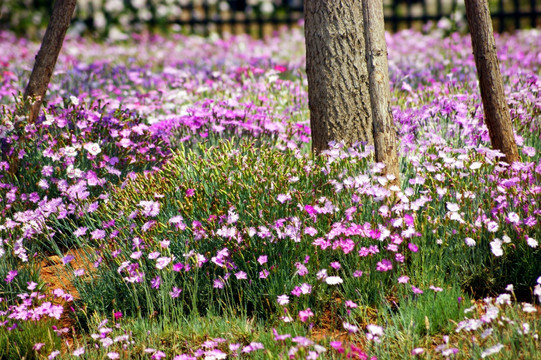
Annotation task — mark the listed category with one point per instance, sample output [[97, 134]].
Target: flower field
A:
[[167, 206]]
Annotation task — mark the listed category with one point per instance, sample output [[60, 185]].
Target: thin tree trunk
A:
[[337, 73], [497, 117], [47, 55], [385, 141]]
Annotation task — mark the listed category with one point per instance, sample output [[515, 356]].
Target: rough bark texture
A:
[[385, 141], [497, 117], [48, 54], [337, 73]]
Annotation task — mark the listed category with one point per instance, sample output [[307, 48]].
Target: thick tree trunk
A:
[[497, 117], [385, 141], [48, 54], [337, 73]]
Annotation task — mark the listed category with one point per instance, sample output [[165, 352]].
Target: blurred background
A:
[[115, 19]]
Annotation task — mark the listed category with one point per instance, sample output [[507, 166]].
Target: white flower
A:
[[92, 148], [469, 241], [496, 247], [492, 350], [532, 242], [528, 308], [503, 299], [452, 207], [492, 226], [351, 328], [513, 218], [321, 274], [333, 280], [74, 100], [476, 165]]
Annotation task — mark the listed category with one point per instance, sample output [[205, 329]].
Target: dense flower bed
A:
[[180, 167]]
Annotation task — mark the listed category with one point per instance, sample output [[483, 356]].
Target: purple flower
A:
[[175, 292], [11, 275], [156, 282], [67, 259], [98, 234]]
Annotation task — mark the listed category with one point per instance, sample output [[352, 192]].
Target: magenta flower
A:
[[413, 248], [384, 265]]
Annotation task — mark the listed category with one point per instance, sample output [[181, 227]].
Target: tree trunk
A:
[[47, 55], [337, 74], [497, 117], [385, 141]]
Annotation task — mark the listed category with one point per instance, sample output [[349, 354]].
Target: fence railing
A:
[[258, 17]]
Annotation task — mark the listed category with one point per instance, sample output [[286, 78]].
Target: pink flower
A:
[[241, 275], [337, 345], [305, 314], [175, 292], [190, 192], [162, 262], [79, 272], [403, 279], [416, 290], [150, 208], [262, 259], [53, 354], [158, 355]]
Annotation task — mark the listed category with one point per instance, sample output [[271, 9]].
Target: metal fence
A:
[[239, 16], [257, 17]]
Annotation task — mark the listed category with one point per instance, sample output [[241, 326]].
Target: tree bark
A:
[[47, 55], [385, 140], [337, 74], [497, 117]]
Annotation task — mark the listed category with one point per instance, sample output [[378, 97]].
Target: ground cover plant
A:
[[166, 205]]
